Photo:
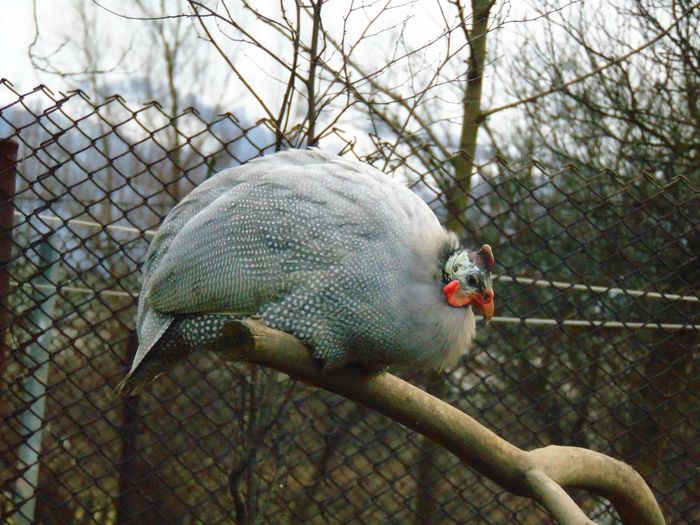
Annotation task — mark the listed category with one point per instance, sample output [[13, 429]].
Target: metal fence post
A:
[[8, 161], [34, 386]]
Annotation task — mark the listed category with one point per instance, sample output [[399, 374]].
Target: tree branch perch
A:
[[541, 474]]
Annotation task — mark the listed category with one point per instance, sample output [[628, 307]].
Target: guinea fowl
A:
[[327, 249]]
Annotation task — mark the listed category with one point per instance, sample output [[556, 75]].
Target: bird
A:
[[328, 249]]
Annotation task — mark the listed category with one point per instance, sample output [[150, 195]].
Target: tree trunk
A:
[[459, 188]]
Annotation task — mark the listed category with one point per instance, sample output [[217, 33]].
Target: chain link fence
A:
[[595, 343]]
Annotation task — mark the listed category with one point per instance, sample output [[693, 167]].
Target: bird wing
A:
[[252, 245], [150, 324], [302, 217]]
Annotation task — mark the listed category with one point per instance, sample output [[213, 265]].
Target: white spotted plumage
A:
[[330, 250]]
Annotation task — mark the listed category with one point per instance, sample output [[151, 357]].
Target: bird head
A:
[[467, 280]]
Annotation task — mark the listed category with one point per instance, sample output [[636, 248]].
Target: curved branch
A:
[[555, 499], [541, 474]]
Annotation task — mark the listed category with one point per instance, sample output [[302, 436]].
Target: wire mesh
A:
[[595, 343]]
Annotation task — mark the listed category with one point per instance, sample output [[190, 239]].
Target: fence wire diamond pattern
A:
[[595, 343]]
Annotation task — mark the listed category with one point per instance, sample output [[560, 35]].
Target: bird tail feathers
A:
[[136, 380]]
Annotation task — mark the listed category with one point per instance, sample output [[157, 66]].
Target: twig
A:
[[622, 58], [231, 65]]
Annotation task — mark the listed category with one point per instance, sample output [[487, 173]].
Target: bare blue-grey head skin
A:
[[329, 250]]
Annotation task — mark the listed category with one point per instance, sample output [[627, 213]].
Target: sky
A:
[[17, 35], [214, 90], [56, 18]]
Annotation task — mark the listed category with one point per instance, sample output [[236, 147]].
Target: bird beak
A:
[[485, 304], [487, 310]]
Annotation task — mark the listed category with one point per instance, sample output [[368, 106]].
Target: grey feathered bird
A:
[[329, 250]]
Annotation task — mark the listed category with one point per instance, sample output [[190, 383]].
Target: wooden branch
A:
[[541, 474]]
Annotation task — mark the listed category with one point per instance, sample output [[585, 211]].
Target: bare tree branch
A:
[[541, 474], [312, 140], [141, 17], [230, 64], [593, 72], [91, 66]]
